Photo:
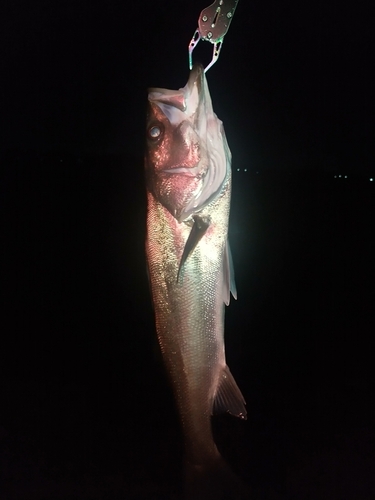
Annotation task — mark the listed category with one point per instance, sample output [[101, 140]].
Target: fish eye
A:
[[155, 131]]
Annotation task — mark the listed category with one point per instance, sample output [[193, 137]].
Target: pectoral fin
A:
[[199, 228], [229, 285], [228, 397]]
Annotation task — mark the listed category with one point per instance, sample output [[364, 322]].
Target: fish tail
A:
[[214, 480]]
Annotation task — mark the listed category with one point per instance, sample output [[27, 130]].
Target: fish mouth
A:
[[183, 169], [180, 99], [196, 78]]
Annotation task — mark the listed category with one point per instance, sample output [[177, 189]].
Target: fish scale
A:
[[186, 326]]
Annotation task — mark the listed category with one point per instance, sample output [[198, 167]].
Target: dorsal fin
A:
[[228, 397], [199, 228]]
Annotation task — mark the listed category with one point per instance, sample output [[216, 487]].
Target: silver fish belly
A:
[[188, 176]]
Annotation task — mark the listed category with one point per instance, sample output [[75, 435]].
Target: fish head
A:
[[187, 156]]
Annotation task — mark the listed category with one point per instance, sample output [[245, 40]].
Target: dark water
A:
[[85, 408]]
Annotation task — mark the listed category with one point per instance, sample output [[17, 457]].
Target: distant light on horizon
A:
[[371, 179]]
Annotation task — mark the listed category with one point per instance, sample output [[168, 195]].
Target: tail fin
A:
[[214, 480]]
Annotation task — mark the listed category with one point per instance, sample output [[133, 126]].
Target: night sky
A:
[[86, 411]]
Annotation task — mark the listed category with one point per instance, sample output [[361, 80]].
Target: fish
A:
[[188, 185]]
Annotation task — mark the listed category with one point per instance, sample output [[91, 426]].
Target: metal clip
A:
[[213, 24]]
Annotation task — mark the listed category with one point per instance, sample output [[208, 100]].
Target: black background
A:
[[85, 409]]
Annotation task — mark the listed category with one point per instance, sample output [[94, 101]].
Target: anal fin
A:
[[228, 397]]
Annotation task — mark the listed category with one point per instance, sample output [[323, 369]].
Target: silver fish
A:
[[188, 177]]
